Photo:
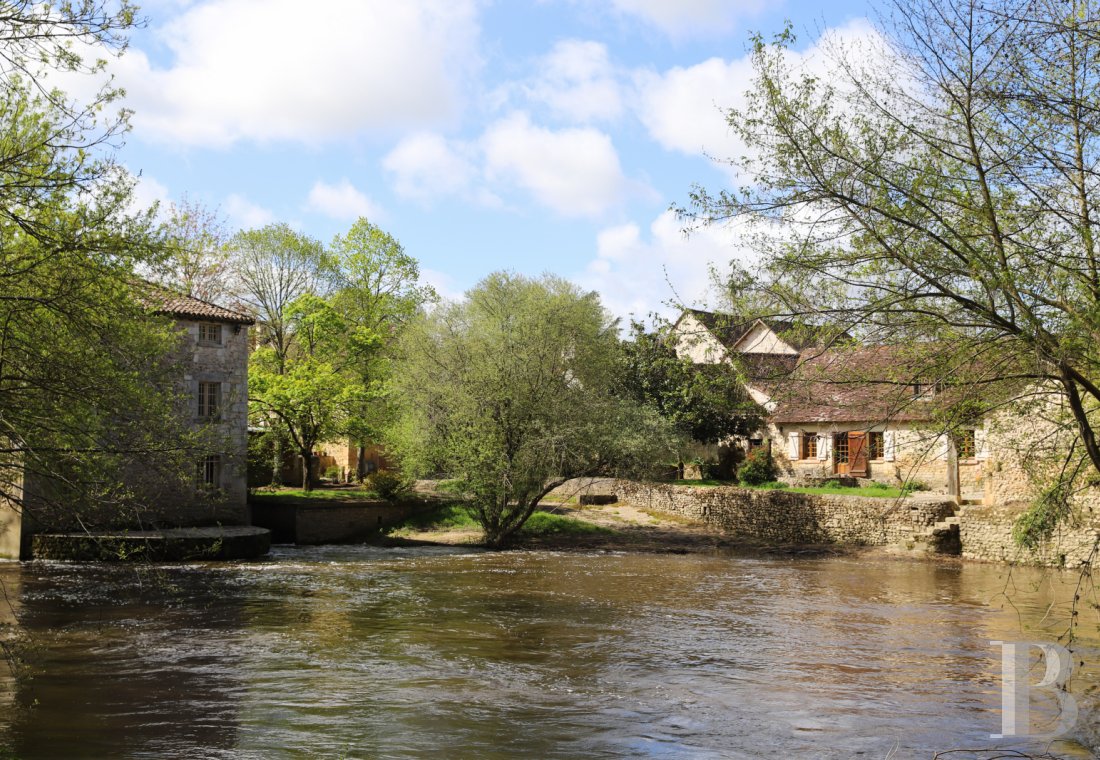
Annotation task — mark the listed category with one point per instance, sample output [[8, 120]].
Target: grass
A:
[[461, 517], [547, 524], [317, 494], [879, 490]]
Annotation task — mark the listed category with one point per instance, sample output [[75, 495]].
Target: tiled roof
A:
[[165, 301], [865, 384]]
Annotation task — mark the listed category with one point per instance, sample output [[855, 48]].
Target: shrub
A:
[[333, 474], [915, 485], [757, 469], [387, 485]]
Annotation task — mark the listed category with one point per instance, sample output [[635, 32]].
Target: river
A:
[[364, 652]]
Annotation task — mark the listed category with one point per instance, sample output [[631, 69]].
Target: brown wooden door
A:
[[857, 455], [840, 453]]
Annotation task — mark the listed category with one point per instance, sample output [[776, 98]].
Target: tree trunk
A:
[[277, 462], [307, 470]]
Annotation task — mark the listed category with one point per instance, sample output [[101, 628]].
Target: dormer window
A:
[[210, 333], [924, 390]]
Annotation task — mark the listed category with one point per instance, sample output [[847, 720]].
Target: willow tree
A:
[[513, 391], [941, 184]]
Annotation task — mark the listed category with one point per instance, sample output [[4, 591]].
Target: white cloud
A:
[[636, 273], [445, 285], [341, 201], [684, 108], [147, 191], [427, 165], [245, 214], [575, 172], [577, 81], [680, 17], [271, 70]]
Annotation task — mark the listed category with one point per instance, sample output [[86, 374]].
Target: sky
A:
[[528, 135]]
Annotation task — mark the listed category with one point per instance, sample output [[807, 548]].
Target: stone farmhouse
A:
[[212, 354], [836, 409]]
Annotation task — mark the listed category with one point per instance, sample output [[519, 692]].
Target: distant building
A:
[[213, 357], [839, 409]]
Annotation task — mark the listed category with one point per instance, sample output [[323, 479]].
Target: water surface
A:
[[362, 652]]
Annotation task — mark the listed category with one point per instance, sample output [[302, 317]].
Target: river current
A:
[[363, 652]]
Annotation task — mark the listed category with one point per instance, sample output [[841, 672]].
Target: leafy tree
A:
[[322, 370], [196, 260], [941, 184], [79, 350], [308, 394], [377, 291], [513, 391], [706, 403], [274, 266]]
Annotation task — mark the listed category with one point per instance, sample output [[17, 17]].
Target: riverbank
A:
[[619, 527]]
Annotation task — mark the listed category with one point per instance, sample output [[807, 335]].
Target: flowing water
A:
[[362, 652]]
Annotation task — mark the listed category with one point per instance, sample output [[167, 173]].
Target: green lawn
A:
[[262, 495], [461, 517], [878, 491]]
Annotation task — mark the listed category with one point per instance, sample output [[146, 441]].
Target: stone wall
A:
[[782, 517], [986, 534], [312, 523]]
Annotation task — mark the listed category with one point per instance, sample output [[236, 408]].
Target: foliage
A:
[[197, 261], [1038, 523], [86, 386], [327, 319], [706, 403], [388, 485], [757, 469], [940, 184], [548, 524], [447, 517], [513, 391]]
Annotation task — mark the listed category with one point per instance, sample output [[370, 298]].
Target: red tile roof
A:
[[164, 301]]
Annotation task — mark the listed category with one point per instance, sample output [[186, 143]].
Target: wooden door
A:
[[840, 453], [857, 455]]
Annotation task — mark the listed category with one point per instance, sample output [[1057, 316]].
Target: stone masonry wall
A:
[[986, 534], [781, 517]]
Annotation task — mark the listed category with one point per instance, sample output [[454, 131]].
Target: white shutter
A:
[[824, 446], [888, 445], [981, 443], [794, 449]]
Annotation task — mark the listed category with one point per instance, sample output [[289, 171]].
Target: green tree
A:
[[79, 349], [706, 403], [941, 185], [309, 395], [513, 391], [196, 258]]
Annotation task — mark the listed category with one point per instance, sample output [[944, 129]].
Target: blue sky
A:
[[532, 135]]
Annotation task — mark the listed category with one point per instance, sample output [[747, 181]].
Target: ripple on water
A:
[[369, 652]]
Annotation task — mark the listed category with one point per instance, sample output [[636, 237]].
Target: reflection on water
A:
[[363, 652]]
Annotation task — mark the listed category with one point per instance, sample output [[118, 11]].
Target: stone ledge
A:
[[169, 545]]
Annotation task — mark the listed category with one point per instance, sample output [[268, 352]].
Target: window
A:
[[877, 445], [755, 443], [210, 472], [809, 446], [840, 448], [210, 333], [210, 400], [966, 444]]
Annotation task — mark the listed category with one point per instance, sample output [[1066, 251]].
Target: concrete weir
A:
[[169, 545]]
